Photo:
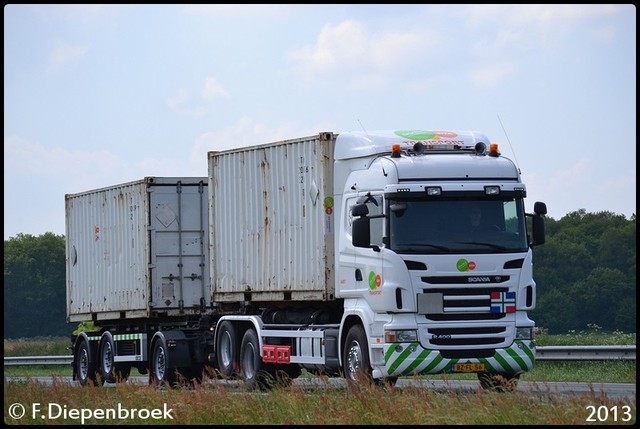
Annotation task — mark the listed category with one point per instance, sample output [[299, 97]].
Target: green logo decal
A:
[[372, 280], [464, 265], [416, 134]]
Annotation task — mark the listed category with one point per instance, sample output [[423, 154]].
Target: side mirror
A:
[[540, 208], [361, 232], [537, 223], [359, 210]]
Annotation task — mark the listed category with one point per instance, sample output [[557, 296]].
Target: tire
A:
[[160, 372], [356, 363], [106, 359], [498, 382], [84, 366], [227, 350], [251, 366]]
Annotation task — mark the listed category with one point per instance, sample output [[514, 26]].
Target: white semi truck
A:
[[364, 255]]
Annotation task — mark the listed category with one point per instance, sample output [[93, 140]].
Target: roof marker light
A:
[[434, 190], [491, 190], [395, 150], [493, 150]]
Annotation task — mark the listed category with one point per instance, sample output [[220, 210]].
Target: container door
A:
[[179, 234]]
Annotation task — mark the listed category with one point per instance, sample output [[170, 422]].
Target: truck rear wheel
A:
[[356, 364], [227, 350], [251, 364]]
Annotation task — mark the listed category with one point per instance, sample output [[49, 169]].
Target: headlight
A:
[[400, 336], [524, 333]]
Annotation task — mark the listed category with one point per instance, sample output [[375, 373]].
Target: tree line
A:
[[585, 275]]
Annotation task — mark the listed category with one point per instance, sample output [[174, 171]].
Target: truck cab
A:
[[434, 255]]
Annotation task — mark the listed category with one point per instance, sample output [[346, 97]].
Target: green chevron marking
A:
[[392, 348], [503, 362], [416, 362], [516, 357], [435, 362], [403, 356]]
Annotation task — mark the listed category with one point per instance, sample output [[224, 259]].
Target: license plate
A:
[[467, 367]]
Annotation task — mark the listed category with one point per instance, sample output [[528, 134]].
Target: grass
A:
[[215, 404]]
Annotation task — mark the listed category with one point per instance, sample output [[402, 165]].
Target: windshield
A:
[[457, 225]]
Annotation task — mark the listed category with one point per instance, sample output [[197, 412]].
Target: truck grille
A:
[[464, 304], [467, 305]]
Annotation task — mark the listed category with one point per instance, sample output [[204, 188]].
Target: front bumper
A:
[[404, 359]]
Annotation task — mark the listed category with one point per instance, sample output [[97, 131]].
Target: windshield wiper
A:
[[492, 245], [435, 246]]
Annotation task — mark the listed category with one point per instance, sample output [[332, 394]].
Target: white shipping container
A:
[[137, 250], [271, 221]]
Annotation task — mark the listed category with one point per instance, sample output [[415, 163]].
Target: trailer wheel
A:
[[110, 371], [356, 364], [84, 365], [161, 373], [106, 359], [251, 364], [226, 350]]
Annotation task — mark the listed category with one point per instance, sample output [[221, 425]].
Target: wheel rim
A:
[[83, 364], [160, 363], [107, 358], [354, 360], [249, 366], [225, 349]]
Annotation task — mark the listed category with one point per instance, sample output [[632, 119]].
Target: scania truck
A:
[[364, 255]]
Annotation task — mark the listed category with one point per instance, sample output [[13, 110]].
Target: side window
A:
[[510, 216], [348, 218], [374, 204], [377, 224]]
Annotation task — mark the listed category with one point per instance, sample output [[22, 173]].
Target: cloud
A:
[[196, 106], [63, 56], [212, 89], [245, 132], [77, 171], [349, 53], [184, 104]]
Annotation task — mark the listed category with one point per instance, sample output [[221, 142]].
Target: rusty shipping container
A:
[[138, 250], [271, 221]]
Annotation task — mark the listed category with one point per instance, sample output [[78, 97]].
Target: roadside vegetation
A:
[[623, 371], [214, 403], [217, 405]]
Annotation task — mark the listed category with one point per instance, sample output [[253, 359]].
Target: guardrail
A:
[[585, 353], [37, 360], [543, 353]]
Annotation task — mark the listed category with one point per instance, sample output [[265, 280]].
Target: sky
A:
[[98, 95]]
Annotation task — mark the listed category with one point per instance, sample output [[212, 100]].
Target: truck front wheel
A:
[[356, 364]]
